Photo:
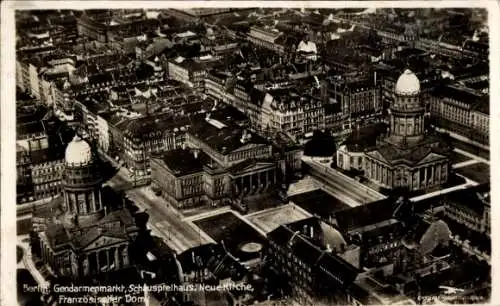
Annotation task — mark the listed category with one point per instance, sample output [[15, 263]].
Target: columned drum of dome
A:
[[82, 181], [407, 113]]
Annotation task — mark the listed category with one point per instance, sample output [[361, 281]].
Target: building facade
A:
[[462, 111], [219, 165], [313, 276], [408, 157]]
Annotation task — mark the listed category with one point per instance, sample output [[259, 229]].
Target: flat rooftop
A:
[[319, 202], [270, 219]]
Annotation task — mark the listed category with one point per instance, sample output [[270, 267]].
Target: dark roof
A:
[[476, 46], [363, 215], [415, 153], [456, 93], [183, 162], [364, 137], [198, 257], [224, 266], [319, 203], [100, 78], [483, 106], [328, 264], [30, 128], [228, 113], [225, 139], [144, 71], [47, 155], [143, 127], [57, 235], [332, 108], [470, 200]]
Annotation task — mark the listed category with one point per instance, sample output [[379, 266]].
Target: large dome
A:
[[407, 84], [78, 152]]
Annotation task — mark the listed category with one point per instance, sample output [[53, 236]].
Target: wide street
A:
[[351, 193], [164, 221]]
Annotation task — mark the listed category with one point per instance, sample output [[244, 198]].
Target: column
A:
[[259, 174], [267, 179], [117, 258], [125, 256], [100, 200], [432, 173], [274, 181], [250, 183], [107, 258], [94, 204], [438, 173], [97, 261], [425, 175]]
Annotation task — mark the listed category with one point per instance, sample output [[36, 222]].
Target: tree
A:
[[321, 144]]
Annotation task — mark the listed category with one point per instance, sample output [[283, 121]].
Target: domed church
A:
[[83, 233], [407, 157]]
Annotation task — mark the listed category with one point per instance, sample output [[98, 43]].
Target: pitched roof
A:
[[414, 152], [225, 139]]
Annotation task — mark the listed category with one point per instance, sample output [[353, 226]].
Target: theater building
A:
[[408, 157], [220, 163], [83, 232]]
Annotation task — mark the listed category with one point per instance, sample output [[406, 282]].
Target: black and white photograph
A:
[[233, 155]]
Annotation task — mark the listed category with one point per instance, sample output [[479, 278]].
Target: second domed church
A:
[[408, 157]]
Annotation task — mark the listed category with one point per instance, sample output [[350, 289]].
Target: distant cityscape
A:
[[253, 156]]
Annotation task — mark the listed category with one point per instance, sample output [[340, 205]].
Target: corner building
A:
[[408, 157], [82, 233]]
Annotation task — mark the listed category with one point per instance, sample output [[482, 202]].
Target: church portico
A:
[[408, 157], [102, 260]]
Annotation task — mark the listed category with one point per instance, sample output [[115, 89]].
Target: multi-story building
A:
[[358, 98], [287, 111], [480, 121], [265, 38], [187, 71], [311, 275], [461, 110], [223, 163], [40, 148], [408, 157], [148, 135], [27, 76], [375, 229], [470, 207], [190, 178]]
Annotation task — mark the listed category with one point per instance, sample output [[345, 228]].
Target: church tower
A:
[[407, 112], [82, 182]]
